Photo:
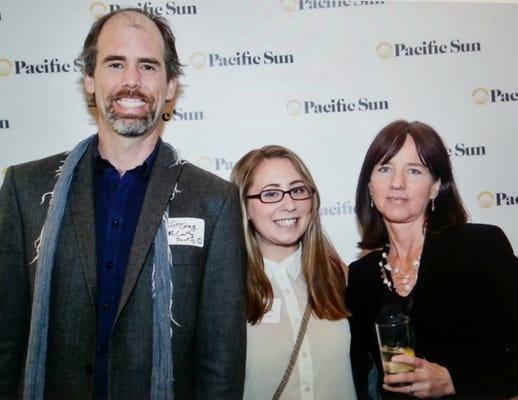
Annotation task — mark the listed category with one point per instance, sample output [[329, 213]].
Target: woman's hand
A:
[[428, 380]]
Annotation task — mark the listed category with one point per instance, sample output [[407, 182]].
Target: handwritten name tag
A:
[[186, 231]]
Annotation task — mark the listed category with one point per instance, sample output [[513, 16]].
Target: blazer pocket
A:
[[182, 254]]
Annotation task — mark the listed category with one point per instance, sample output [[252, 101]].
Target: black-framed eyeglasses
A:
[[269, 196]]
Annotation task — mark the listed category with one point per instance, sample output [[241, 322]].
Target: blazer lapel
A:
[[83, 218], [158, 193]]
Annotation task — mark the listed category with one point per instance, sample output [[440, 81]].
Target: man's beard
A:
[[132, 125]]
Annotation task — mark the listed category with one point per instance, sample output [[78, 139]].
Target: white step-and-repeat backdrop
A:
[[321, 77]]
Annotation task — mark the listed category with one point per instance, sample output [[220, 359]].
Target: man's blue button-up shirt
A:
[[118, 202]]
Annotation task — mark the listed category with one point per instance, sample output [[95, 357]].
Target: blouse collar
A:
[[292, 265]]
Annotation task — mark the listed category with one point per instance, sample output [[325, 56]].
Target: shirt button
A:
[[307, 389], [106, 306], [114, 187], [109, 264], [115, 223], [304, 354]]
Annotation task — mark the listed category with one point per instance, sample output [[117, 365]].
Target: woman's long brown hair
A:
[[324, 271]]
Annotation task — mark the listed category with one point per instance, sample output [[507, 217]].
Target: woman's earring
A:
[[372, 203], [433, 205]]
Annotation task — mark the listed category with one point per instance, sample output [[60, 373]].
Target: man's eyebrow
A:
[[113, 58], [149, 60]]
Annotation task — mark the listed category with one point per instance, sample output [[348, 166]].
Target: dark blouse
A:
[[463, 311]]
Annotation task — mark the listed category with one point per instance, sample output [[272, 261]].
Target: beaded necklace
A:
[[399, 281]]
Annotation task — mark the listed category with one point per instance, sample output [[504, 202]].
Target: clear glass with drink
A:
[[395, 338]]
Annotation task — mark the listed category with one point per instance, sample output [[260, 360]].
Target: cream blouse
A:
[[322, 370]]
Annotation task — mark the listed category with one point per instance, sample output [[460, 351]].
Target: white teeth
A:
[[130, 103], [286, 222]]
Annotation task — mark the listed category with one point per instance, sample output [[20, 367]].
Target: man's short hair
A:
[[88, 55]]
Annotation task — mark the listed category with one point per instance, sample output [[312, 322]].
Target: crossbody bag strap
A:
[[294, 353]]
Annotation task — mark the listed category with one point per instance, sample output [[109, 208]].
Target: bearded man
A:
[[127, 282]]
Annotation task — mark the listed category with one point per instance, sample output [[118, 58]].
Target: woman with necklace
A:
[[456, 281], [298, 334]]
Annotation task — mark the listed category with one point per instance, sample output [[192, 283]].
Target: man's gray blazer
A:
[[209, 342]]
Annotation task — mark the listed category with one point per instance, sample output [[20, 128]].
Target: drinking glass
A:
[[394, 338]]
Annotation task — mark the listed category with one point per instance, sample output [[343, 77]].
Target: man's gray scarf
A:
[[162, 287]]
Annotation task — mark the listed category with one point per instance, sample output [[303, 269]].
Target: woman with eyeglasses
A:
[[298, 335]]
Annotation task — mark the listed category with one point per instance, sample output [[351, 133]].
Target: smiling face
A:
[[402, 187], [129, 80], [278, 226]]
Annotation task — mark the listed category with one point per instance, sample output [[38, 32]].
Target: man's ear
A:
[[89, 84], [171, 89]]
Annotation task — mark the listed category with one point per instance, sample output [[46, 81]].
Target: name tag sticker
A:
[[186, 231], [274, 315]]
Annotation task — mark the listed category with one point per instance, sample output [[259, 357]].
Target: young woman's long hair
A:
[[324, 271]]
